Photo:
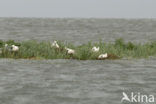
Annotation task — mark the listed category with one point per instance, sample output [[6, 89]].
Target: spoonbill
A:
[[95, 49], [103, 56], [55, 44], [6, 45], [14, 48], [70, 51]]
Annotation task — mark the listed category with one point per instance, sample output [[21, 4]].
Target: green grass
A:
[[42, 50]]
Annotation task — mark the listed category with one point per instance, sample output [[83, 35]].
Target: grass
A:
[[42, 50]]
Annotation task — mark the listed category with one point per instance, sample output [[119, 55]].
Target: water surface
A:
[[78, 31], [72, 81]]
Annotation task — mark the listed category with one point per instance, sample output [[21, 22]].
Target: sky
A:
[[78, 8]]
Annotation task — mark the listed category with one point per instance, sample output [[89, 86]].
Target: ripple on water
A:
[[72, 81]]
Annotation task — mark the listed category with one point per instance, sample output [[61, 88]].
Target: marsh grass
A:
[[42, 50]]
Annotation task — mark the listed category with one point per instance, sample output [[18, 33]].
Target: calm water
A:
[[72, 81]]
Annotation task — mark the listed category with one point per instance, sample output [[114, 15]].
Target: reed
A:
[[42, 50]]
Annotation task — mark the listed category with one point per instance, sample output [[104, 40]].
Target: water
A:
[[78, 31], [72, 81]]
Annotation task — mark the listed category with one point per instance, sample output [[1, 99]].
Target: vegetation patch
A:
[[91, 51]]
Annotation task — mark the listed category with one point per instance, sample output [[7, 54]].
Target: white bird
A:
[[54, 44], [8, 48], [125, 97], [14, 48], [103, 56], [95, 49], [6, 45], [69, 51]]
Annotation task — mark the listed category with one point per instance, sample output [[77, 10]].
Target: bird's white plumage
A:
[[14, 48], [95, 49], [69, 51], [55, 44], [6, 45], [103, 56]]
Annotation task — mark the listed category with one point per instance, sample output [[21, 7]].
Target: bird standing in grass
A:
[[14, 48], [70, 51], [95, 49], [103, 56], [6, 45], [55, 44]]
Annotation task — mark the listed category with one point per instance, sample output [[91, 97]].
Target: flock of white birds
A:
[[72, 51], [15, 48]]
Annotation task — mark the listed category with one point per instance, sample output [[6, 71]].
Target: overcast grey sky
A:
[[79, 8]]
